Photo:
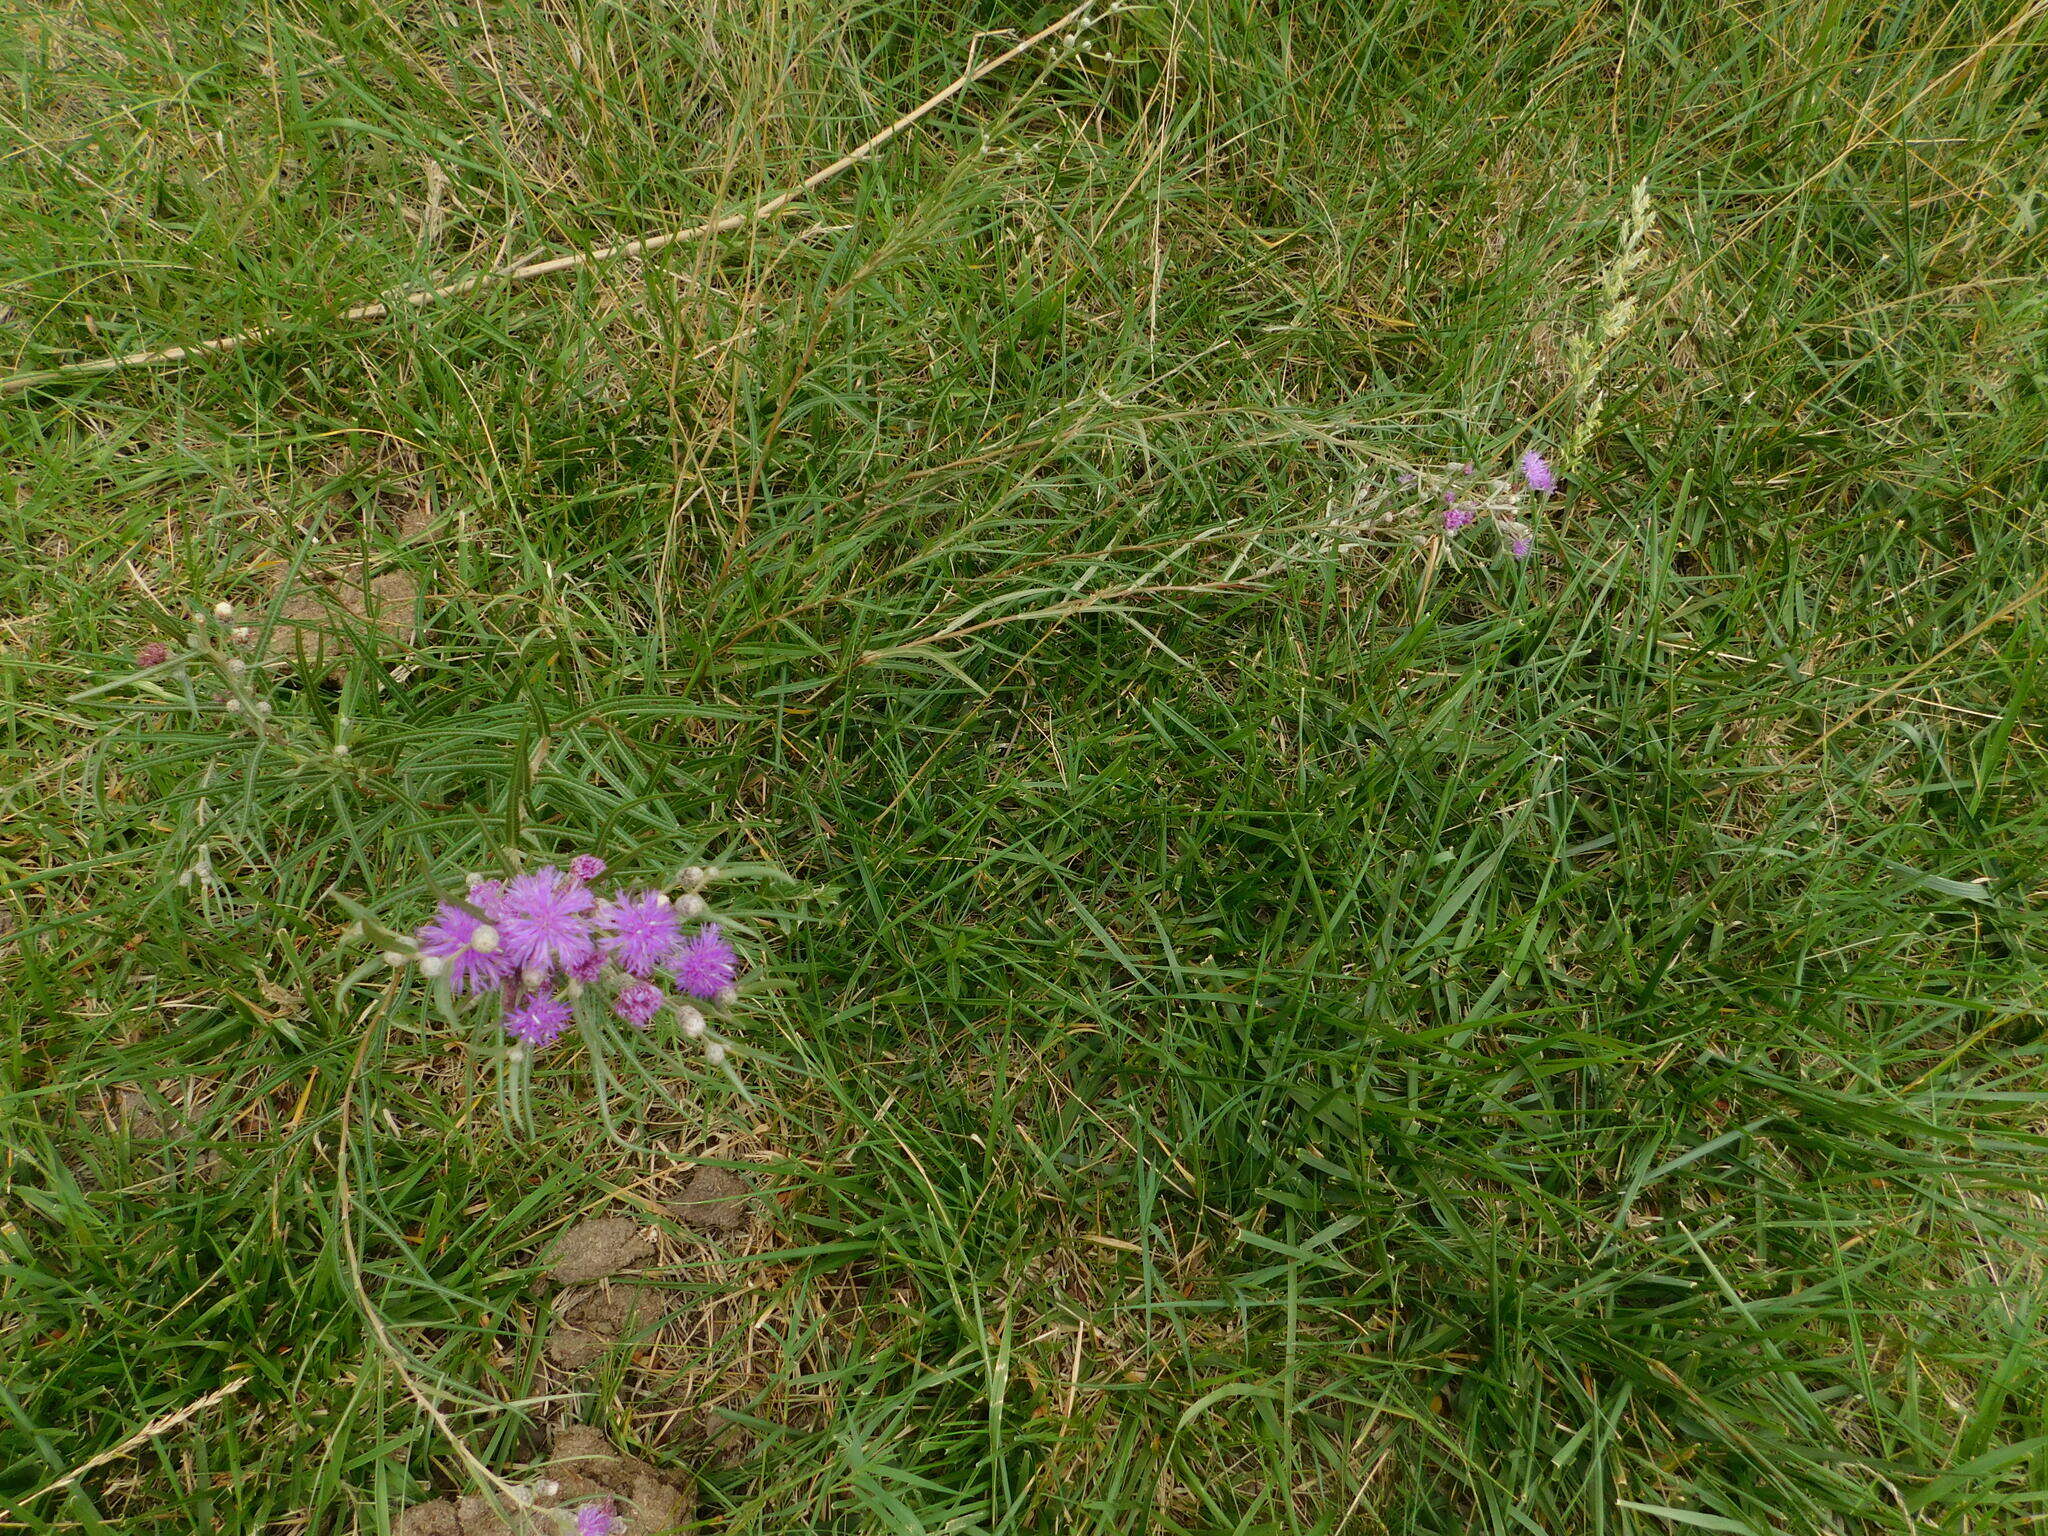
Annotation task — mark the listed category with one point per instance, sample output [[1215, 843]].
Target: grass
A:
[[1261, 1038]]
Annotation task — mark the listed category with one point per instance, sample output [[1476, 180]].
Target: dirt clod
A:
[[322, 610], [586, 1466], [592, 1249], [590, 1322], [713, 1200], [436, 1518], [583, 1466]]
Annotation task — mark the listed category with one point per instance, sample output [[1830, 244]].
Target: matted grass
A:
[[1262, 1038]]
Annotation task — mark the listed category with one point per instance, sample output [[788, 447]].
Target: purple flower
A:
[[588, 969], [1536, 470], [637, 1002], [154, 654], [471, 950], [1455, 516], [541, 919], [639, 931], [1522, 546], [537, 1019], [705, 964], [586, 867], [596, 1519]]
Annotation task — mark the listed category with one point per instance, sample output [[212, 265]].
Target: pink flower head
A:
[[542, 919], [1536, 470], [705, 964], [1455, 516], [596, 1519], [154, 654], [638, 1002], [1522, 546], [587, 969], [639, 931], [537, 1020], [473, 949], [586, 867]]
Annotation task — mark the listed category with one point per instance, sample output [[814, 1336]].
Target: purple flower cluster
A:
[[1466, 494], [540, 940]]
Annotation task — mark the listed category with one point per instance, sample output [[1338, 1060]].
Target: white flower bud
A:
[[726, 997], [693, 877], [394, 959], [691, 1020], [223, 610], [233, 706], [241, 634], [432, 965], [714, 1052], [263, 706], [691, 906], [532, 977], [572, 989], [661, 899], [237, 666], [341, 749], [184, 877], [516, 1055], [485, 940]]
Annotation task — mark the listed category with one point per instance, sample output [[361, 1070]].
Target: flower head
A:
[[596, 1519], [154, 654], [470, 948], [537, 1019], [542, 918], [638, 1002], [1537, 471], [1455, 516], [638, 930], [1522, 546], [706, 963], [586, 867], [587, 969]]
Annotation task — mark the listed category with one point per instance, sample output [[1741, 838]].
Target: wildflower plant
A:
[[562, 953], [1441, 509], [556, 949]]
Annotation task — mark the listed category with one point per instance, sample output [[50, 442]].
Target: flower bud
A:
[[691, 906], [485, 940], [692, 877], [691, 1020], [726, 997], [714, 1052], [394, 959], [532, 977], [432, 965], [223, 610]]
